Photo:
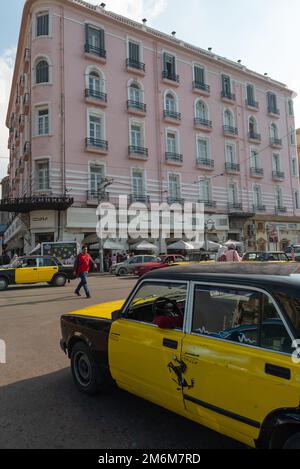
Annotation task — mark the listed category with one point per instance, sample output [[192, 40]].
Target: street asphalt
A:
[[40, 406]]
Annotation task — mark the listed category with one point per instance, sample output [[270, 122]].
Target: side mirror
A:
[[115, 315]]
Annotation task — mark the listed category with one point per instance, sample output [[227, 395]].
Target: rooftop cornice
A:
[[150, 32]]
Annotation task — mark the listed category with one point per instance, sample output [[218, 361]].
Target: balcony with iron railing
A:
[[170, 77], [175, 200], [96, 145], [174, 158], [278, 175], [141, 198], [235, 206], [26, 60], [232, 167], [97, 97], [136, 107], [280, 209], [95, 197], [201, 123], [230, 131], [259, 208], [205, 163], [201, 88], [96, 52], [208, 203], [172, 116], [256, 172], [275, 142], [254, 137], [136, 66], [137, 152], [251, 103], [273, 111], [227, 96]]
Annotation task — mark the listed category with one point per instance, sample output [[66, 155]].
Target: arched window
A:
[[273, 132], [201, 110], [95, 82], [253, 127], [135, 92], [42, 71], [228, 118]]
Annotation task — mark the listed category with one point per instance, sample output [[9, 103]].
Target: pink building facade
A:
[[98, 97]]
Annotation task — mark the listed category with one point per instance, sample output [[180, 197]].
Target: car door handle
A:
[[279, 371], [173, 344], [35, 269]]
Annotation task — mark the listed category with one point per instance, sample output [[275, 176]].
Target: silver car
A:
[[128, 266]]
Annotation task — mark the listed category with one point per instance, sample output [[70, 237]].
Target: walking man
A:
[[81, 268]]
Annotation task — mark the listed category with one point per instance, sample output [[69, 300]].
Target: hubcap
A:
[[82, 369], [2, 284], [60, 281]]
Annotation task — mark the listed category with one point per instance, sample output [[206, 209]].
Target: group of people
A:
[[228, 254]]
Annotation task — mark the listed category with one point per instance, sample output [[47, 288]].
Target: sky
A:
[[264, 34]]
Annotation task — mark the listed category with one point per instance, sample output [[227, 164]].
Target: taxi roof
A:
[[252, 273]]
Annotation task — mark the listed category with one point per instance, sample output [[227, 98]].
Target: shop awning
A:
[[181, 246], [144, 246], [109, 244]]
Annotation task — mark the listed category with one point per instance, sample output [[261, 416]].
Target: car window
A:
[[251, 256], [149, 259], [44, 262], [28, 262], [282, 257], [241, 316], [149, 302]]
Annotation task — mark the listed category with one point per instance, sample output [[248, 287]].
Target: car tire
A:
[[122, 272], [293, 442], [3, 283], [88, 375], [59, 281]]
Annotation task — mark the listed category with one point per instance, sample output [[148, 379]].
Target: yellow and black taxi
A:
[[35, 269], [216, 343]]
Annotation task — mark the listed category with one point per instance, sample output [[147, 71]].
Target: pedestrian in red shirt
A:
[[82, 268]]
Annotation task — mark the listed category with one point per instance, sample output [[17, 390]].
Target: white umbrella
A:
[[229, 242], [109, 244], [181, 246], [144, 246]]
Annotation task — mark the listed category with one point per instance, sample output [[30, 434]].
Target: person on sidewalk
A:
[[81, 270], [232, 255]]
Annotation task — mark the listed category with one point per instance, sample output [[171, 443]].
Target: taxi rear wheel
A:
[[3, 283], [293, 442], [59, 281], [86, 371], [122, 272]]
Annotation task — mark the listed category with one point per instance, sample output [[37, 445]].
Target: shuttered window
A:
[[134, 51], [199, 75], [42, 24]]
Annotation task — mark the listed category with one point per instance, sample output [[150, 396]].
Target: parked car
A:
[[269, 256], [296, 249], [161, 263], [231, 365], [128, 266], [35, 269]]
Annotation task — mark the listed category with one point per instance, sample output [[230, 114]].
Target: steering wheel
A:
[[164, 299]]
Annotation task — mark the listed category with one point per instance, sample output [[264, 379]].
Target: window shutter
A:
[[199, 75], [134, 51], [87, 27], [102, 39]]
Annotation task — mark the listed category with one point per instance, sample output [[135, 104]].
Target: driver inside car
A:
[[168, 316]]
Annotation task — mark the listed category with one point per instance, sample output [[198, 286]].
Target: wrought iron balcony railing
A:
[[235, 206], [254, 136], [197, 85], [136, 105], [170, 76], [209, 203], [98, 196], [206, 162], [232, 167], [230, 130], [136, 150], [172, 115], [97, 143], [259, 208], [273, 110], [90, 49], [280, 209], [175, 200], [90, 93], [142, 198], [252, 103], [276, 141], [228, 95], [278, 174], [256, 171], [135, 64], [198, 121], [176, 157]]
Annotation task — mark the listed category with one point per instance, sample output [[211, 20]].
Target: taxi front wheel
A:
[[59, 281], [293, 442], [86, 371], [3, 284]]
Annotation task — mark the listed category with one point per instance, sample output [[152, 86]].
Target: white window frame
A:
[[134, 40], [233, 144], [37, 108], [232, 115], [257, 157], [209, 180], [141, 124], [279, 161], [175, 96], [144, 179], [235, 183], [178, 175], [256, 128], [204, 68], [34, 28], [94, 163], [37, 160], [131, 82], [207, 139], [96, 113], [254, 91], [273, 125], [94, 68], [294, 160], [178, 143], [254, 187], [200, 100]]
